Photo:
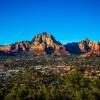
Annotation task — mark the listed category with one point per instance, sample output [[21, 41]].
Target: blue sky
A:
[[67, 20]]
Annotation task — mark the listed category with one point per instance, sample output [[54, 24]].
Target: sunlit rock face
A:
[[93, 49], [78, 47], [20, 47], [45, 43], [84, 45], [42, 44], [87, 45], [5, 48], [45, 38]]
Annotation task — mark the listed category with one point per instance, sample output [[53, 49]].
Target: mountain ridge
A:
[[45, 43]]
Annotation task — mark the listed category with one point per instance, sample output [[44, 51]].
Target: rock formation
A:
[[16, 48], [85, 47], [45, 43], [42, 44]]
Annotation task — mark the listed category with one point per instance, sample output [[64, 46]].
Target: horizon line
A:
[[63, 42]]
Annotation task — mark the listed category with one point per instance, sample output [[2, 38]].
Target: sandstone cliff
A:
[[42, 44], [45, 43]]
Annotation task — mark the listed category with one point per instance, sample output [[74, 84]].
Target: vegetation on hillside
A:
[[32, 84]]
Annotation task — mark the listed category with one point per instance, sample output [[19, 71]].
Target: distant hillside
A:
[[44, 44]]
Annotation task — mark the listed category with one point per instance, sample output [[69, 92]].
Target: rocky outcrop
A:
[[5, 48], [78, 47], [93, 49], [85, 47], [16, 48], [21, 47], [45, 43], [88, 55], [42, 44]]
